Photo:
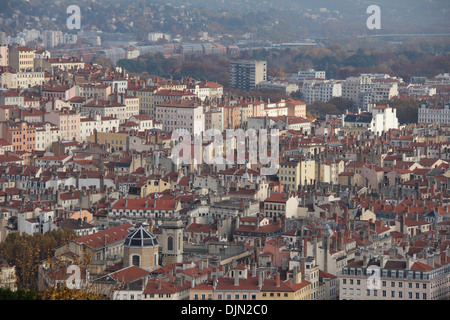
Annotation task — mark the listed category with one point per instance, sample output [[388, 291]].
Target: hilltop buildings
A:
[[92, 149]]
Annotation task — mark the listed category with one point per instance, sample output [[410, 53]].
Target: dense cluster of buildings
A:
[[357, 208], [368, 89]]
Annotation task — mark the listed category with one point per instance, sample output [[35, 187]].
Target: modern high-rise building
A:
[[246, 74]]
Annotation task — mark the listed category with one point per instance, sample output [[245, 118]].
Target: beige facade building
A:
[[396, 279], [140, 249], [68, 122]]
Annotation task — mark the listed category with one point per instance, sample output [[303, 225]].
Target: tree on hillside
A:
[[322, 108], [407, 109], [25, 252]]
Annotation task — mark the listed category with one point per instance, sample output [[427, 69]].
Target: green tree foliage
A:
[[407, 109], [296, 95], [321, 108], [342, 104], [19, 294]]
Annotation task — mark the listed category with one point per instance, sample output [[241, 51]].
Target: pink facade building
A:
[[68, 122], [21, 134]]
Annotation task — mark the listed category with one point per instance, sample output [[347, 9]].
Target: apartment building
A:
[[383, 90], [118, 84], [296, 108], [381, 118], [428, 113], [396, 279], [182, 114], [68, 122], [21, 58], [214, 119], [246, 74], [232, 116], [63, 63], [99, 123], [131, 104], [280, 206], [145, 96], [116, 140], [99, 91], [144, 208], [13, 80], [11, 97], [46, 134], [294, 173], [59, 92], [105, 108], [21, 134], [168, 95], [353, 86], [302, 75], [320, 90]]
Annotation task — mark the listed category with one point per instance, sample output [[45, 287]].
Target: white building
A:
[[155, 36], [384, 90], [379, 119], [434, 114], [183, 114], [302, 75], [46, 134], [352, 87], [37, 221], [320, 90], [106, 109], [285, 87], [384, 119], [99, 123], [145, 122]]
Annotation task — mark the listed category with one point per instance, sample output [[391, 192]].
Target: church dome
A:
[[141, 238]]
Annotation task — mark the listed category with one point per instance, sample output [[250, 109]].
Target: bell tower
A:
[[172, 242]]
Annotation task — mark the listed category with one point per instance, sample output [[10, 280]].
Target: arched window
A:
[[170, 243]]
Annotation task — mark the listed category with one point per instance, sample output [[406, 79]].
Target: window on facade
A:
[[136, 260], [170, 243]]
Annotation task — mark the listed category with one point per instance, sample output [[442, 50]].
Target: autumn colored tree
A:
[[25, 252]]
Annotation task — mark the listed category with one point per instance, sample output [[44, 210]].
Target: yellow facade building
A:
[[21, 58]]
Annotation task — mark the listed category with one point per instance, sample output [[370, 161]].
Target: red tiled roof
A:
[[158, 286], [152, 204], [111, 235], [129, 274], [419, 266], [277, 197]]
